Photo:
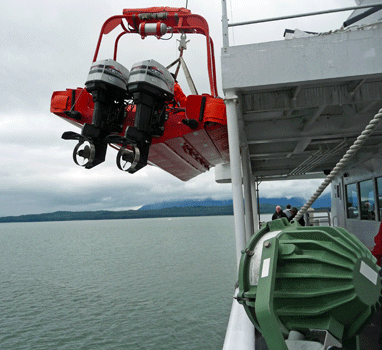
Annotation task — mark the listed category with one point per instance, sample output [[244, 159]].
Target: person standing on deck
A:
[[287, 211], [278, 214], [293, 212]]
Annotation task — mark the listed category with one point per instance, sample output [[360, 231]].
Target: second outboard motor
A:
[[106, 83], [151, 85]]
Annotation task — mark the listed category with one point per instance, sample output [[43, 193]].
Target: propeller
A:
[[127, 160], [84, 153]]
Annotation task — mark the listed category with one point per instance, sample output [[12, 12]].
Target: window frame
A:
[[378, 195], [356, 184], [370, 214]]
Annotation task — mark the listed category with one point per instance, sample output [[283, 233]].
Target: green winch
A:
[[295, 282]]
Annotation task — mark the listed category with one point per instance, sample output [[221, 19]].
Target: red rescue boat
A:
[[142, 112]]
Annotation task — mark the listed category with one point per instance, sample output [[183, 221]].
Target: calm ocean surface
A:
[[117, 284]]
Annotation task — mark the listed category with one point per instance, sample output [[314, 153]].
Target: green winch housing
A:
[[300, 280]]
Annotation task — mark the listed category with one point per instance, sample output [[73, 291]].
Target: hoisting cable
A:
[[177, 61], [361, 139], [187, 74], [180, 61], [181, 48]]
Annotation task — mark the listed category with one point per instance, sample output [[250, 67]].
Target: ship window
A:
[[367, 200], [352, 201], [379, 196]]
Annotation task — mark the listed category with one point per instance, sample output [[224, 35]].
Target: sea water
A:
[[117, 284]]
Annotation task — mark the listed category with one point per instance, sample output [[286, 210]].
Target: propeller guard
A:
[[88, 152], [128, 156]]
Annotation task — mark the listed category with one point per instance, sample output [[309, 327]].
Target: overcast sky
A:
[[49, 45]]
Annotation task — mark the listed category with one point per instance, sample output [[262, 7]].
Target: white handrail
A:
[[226, 25], [304, 14], [240, 333]]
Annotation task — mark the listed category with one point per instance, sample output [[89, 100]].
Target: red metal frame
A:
[[181, 21]]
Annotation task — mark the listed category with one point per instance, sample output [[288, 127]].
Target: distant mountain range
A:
[[206, 207], [187, 203], [322, 202]]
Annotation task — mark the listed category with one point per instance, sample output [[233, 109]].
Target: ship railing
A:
[[226, 25], [335, 221], [318, 217]]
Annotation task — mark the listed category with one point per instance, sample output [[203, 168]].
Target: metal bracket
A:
[[269, 325]]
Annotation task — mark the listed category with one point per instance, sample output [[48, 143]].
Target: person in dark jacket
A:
[[287, 211], [278, 214], [293, 212]]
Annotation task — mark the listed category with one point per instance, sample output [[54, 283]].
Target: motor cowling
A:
[[106, 82], [151, 86]]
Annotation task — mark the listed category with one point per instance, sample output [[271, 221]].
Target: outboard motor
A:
[[151, 85], [106, 83]]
